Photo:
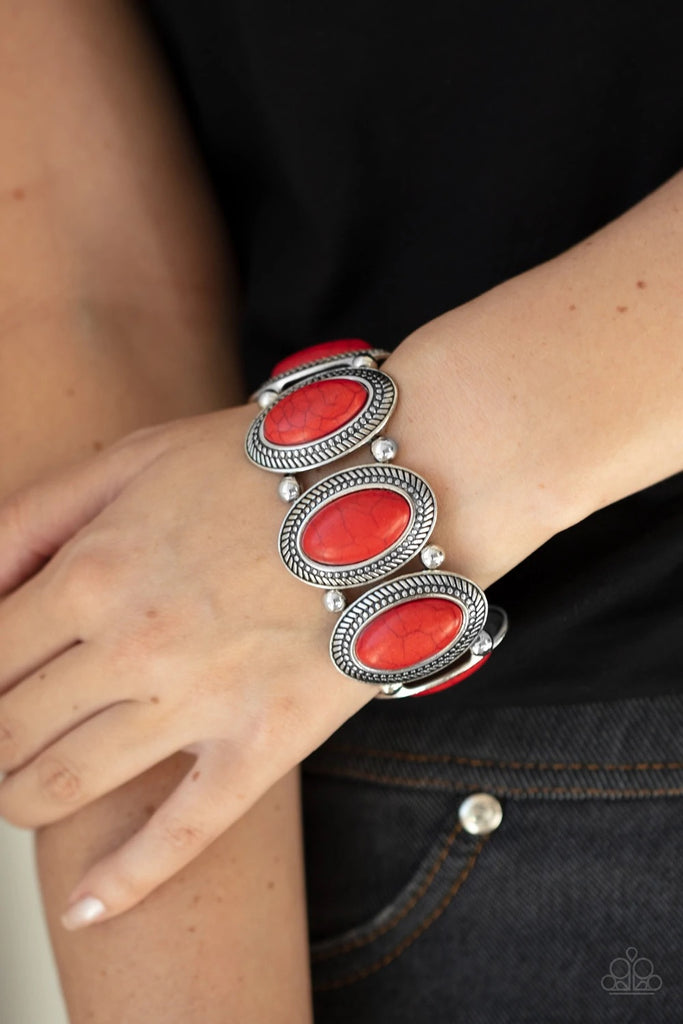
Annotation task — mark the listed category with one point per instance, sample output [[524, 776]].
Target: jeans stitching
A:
[[415, 934], [439, 783], [484, 762], [388, 925]]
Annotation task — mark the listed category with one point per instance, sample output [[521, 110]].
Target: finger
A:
[[101, 754], [214, 794], [33, 630], [53, 701], [36, 520]]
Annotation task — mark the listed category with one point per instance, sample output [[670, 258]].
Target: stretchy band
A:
[[412, 634]]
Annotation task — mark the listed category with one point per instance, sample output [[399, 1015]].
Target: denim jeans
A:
[[569, 912]]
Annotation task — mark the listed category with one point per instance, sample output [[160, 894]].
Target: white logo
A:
[[631, 975]]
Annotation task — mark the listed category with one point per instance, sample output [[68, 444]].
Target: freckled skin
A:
[[314, 411], [409, 633], [356, 526]]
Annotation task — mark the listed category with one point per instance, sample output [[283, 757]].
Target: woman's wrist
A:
[[553, 394], [450, 428], [358, 525]]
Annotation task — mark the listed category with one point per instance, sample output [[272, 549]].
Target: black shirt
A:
[[379, 163]]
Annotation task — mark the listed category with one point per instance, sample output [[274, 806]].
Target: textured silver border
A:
[[368, 606], [496, 626], [282, 380], [368, 422], [359, 478]]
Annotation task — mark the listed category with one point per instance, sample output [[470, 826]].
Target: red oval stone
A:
[[408, 633], [355, 526], [324, 349], [313, 411]]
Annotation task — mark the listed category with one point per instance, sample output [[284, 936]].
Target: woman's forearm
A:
[[552, 395], [117, 292], [118, 306]]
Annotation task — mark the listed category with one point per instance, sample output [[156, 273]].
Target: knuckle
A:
[[87, 572], [181, 835], [9, 743], [59, 782]]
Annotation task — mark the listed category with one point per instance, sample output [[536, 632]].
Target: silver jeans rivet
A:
[[480, 813]]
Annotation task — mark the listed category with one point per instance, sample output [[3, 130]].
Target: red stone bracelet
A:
[[412, 634]]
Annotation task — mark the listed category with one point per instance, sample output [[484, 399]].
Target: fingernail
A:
[[83, 913]]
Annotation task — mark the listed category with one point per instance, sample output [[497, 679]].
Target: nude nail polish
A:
[[83, 913]]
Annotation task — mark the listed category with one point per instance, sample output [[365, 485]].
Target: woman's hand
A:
[[162, 621]]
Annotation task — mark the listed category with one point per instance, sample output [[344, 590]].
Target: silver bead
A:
[[432, 556], [363, 360], [482, 645], [384, 449], [266, 399], [288, 488], [480, 813], [390, 688], [334, 601]]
